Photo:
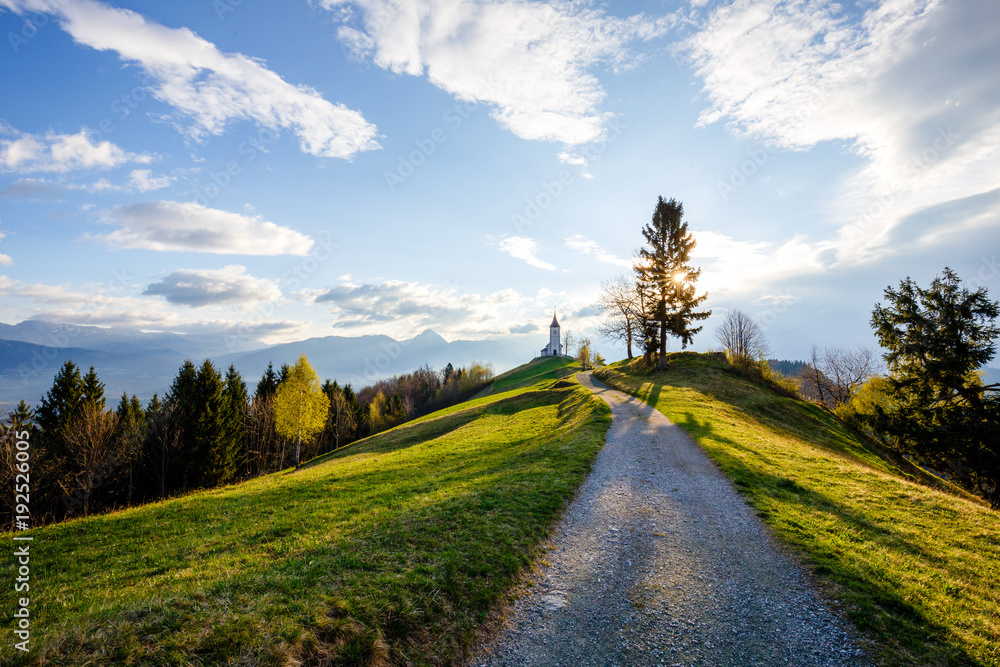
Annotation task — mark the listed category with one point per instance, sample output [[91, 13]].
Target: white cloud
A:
[[402, 309], [730, 266], [53, 152], [230, 284], [523, 248], [573, 158], [907, 87], [118, 305], [5, 260], [142, 180], [583, 244], [175, 226], [209, 87], [531, 61]]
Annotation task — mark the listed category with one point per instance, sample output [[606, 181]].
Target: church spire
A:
[[555, 323]]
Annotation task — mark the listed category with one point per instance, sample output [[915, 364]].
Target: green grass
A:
[[391, 551], [914, 567]]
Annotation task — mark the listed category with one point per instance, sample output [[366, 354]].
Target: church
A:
[[554, 348]]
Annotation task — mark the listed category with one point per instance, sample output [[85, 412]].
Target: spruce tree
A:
[[936, 339], [268, 383], [130, 437], [93, 390], [62, 402], [234, 406], [209, 451], [182, 400], [665, 274]]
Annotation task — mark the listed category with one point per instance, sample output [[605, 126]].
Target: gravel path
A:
[[658, 561]]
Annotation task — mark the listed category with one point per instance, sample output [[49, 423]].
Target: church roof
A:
[[554, 322]]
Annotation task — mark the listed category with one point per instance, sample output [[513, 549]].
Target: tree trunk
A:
[[298, 446], [663, 341]]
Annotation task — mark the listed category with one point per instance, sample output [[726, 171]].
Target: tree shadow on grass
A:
[[876, 603]]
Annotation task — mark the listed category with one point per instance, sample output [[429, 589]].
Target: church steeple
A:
[[555, 322]]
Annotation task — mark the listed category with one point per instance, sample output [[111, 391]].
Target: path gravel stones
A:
[[658, 561]]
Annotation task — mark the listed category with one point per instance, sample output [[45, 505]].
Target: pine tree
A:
[[62, 402], [208, 443], [130, 436], [664, 273], [935, 340], [93, 390], [234, 410], [23, 418], [182, 400], [268, 383]]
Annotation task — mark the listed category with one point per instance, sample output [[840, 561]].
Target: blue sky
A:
[[279, 171]]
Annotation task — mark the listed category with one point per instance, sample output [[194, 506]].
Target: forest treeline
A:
[[208, 430]]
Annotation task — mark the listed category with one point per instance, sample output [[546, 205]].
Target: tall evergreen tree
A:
[[130, 436], [183, 402], [209, 450], [62, 402], [93, 390], [234, 407], [22, 418], [664, 271], [935, 341], [268, 383]]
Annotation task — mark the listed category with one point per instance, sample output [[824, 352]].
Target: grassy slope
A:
[[915, 568], [389, 551]]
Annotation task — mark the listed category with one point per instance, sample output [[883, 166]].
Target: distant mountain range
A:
[[793, 368], [128, 360]]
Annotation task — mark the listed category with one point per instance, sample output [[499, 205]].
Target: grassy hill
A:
[[390, 551], [914, 567]]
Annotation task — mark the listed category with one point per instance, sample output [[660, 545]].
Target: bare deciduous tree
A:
[[342, 419], [833, 376], [622, 312], [568, 341], [742, 338], [90, 455]]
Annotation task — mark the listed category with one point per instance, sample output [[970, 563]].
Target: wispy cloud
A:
[[531, 61], [121, 305], [143, 180], [176, 226], [525, 249], [33, 189], [400, 308], [28, 153], [798, 74], [230, 284], [5, 260], [206, 86], [583, 244]]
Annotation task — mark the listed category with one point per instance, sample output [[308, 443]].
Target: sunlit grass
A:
[[390, 551], [915, 568]]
